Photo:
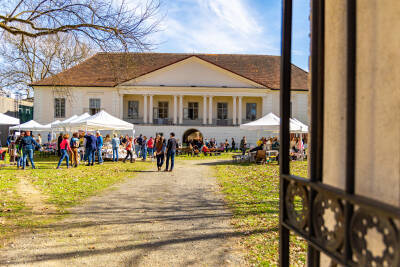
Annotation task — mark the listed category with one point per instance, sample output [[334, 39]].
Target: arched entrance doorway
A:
[[191, 134]]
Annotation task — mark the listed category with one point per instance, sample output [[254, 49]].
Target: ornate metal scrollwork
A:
[[296, 202], [328, 221], [374, 240]]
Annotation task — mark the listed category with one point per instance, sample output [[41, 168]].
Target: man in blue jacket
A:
[[28, 145], [90, 148], [99, 145]]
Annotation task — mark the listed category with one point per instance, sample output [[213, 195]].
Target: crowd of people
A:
[[84, 147], [22, 148]]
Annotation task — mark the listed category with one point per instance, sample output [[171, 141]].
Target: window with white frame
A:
[[163, 110], [193, 111], [59, 107], [251, 111], [222, 111], [94, 105], [133, 109]]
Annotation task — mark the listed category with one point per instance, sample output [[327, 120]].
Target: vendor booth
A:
[[27, 126], [103, 121]]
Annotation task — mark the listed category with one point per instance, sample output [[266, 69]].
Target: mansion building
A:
[[163, 92]]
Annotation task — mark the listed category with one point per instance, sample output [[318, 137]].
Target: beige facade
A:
[[184, 85], [377, 157], [10, 105]]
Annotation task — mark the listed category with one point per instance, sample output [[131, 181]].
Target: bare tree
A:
[[37, 58], [110, 24]]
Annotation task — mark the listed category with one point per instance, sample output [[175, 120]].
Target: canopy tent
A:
[[28, 126], [102, 121], [79, 118], [47, 127], [8, 120], [303, 127], [64, 123], [269, 122]]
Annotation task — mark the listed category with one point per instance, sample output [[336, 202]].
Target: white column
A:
[[210, 107], [175, 110], [151, 109], [145, 108], [204, 109], [234, 113], [180, 109], [240, 111]]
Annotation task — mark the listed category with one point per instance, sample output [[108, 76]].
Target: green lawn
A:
[[63, 188], [252, 192]]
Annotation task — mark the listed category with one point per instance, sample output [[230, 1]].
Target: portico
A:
[[192, 108]]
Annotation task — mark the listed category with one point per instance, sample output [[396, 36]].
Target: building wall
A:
[[7, 105], [377, 165]]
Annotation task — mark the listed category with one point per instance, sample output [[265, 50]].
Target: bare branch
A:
[[112, 26]]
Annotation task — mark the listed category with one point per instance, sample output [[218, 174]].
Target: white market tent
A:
[[79, 118], [8, 120], [64, 123], [269, 122], [102, 121], [47, 127], [303, 127], [27, 126]]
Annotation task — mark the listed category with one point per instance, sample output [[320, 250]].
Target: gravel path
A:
[[155, 219]]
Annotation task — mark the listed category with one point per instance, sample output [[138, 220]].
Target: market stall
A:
[[269, 122], [27, 126], [103, 121], [8, 120]]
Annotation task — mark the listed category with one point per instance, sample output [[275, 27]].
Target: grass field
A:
[[63, 188], [252, 192]]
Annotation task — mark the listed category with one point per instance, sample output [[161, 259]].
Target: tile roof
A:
[[111, 69]]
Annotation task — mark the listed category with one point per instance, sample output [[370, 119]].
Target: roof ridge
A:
[[194, 54]]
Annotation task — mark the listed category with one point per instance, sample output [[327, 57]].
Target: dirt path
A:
[[155, 219], [34, 199]]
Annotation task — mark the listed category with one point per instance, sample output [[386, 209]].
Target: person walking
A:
[[59, 140], [39, 139], [74, 150], [160, 151], [233, 148], [49, 137], [128, 147], [150, 147], [171, 150], [243, 145], [28, 145], [139, 142], [64, 149], [99, 146], [115, 146], [18, 144], [90, 148], [144, 148]]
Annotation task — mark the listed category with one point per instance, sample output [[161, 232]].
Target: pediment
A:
[[192, 71]]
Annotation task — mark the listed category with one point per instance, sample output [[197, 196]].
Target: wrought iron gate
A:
[[355, 215]]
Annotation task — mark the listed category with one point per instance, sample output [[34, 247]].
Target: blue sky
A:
[[231, 26]]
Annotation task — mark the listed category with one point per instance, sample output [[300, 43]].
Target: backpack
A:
[[75, 143]]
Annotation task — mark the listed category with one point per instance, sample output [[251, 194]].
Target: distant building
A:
[[22, 109], [162, 92]]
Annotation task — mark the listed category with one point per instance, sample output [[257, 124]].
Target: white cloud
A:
[[214, 26]]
